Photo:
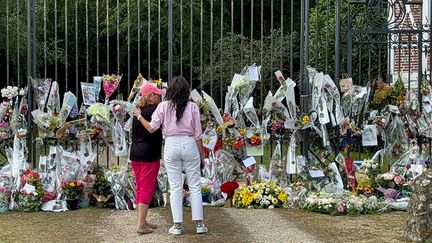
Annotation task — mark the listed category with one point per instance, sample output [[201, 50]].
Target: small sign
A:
[[249, 161]]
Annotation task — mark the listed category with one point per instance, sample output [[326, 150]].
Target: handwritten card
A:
[[249, 161], [253, 73]]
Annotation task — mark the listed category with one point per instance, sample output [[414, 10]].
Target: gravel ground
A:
[[243, 225], [225, 225]]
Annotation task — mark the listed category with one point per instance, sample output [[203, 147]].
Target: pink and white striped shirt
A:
[[189, 124]]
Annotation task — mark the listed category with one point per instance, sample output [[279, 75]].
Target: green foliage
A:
[[231, 52], [369, 52]]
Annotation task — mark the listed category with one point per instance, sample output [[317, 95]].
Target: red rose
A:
[[238, 144], [229, 187]]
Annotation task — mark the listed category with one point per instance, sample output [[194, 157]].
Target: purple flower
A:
[[277, 126]]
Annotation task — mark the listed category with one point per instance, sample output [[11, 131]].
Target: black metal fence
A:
[[208, 41]]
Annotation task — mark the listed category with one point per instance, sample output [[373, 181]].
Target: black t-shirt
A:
[[146, 147]]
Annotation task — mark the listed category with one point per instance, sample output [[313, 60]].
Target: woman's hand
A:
[[137, 112]]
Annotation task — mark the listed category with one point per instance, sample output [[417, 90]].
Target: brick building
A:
[[404, 51]]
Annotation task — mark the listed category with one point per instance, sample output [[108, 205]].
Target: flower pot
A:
[[205, 197], [72, 204]]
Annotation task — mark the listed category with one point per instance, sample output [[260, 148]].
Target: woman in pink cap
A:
[[181, 125], [145, 155]]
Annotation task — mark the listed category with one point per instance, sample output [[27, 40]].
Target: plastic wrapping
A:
[[263, 174], [5, 192], [41, 91], [277, 167], [396, 139], [409, 157], [213, 108], [291, 164], [110, 84], [119, 139], [231, 102], [225, 166], [162, 181], [121, 187]]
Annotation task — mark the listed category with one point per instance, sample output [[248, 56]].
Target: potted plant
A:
[[73, 192], [205, 192], [102, 191]]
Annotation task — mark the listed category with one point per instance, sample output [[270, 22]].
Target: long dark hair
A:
[[178, 93]]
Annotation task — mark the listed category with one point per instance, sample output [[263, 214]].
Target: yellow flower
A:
[[158, 82], [72, 184], [247, 198], [219, 129], [282, 196], [305, 120], [242, 131]]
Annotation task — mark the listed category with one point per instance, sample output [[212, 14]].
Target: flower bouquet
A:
[[73, 192], [110, 84], [368, 168], [47, 124], [101, 188], [29, 197], [121, 187], [391, 185], [41, 91], [5, 131], [260, 195], [342, 204], [229, 188], [364, 186], [5, 192], [9, 92]]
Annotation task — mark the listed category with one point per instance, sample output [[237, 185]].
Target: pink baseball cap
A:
[[149, 88]]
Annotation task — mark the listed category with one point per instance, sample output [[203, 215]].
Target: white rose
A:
[[388, 176]]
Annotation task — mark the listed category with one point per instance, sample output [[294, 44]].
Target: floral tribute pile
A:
[[382, 119]]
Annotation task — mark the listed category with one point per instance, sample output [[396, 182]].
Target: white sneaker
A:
[[201, 229], [175, 230]]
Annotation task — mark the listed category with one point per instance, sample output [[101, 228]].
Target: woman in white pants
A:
[[180, 121]]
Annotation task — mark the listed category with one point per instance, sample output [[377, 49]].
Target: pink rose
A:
[[398, 179], [341, 209]]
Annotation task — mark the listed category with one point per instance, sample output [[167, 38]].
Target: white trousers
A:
[[181, 152]]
